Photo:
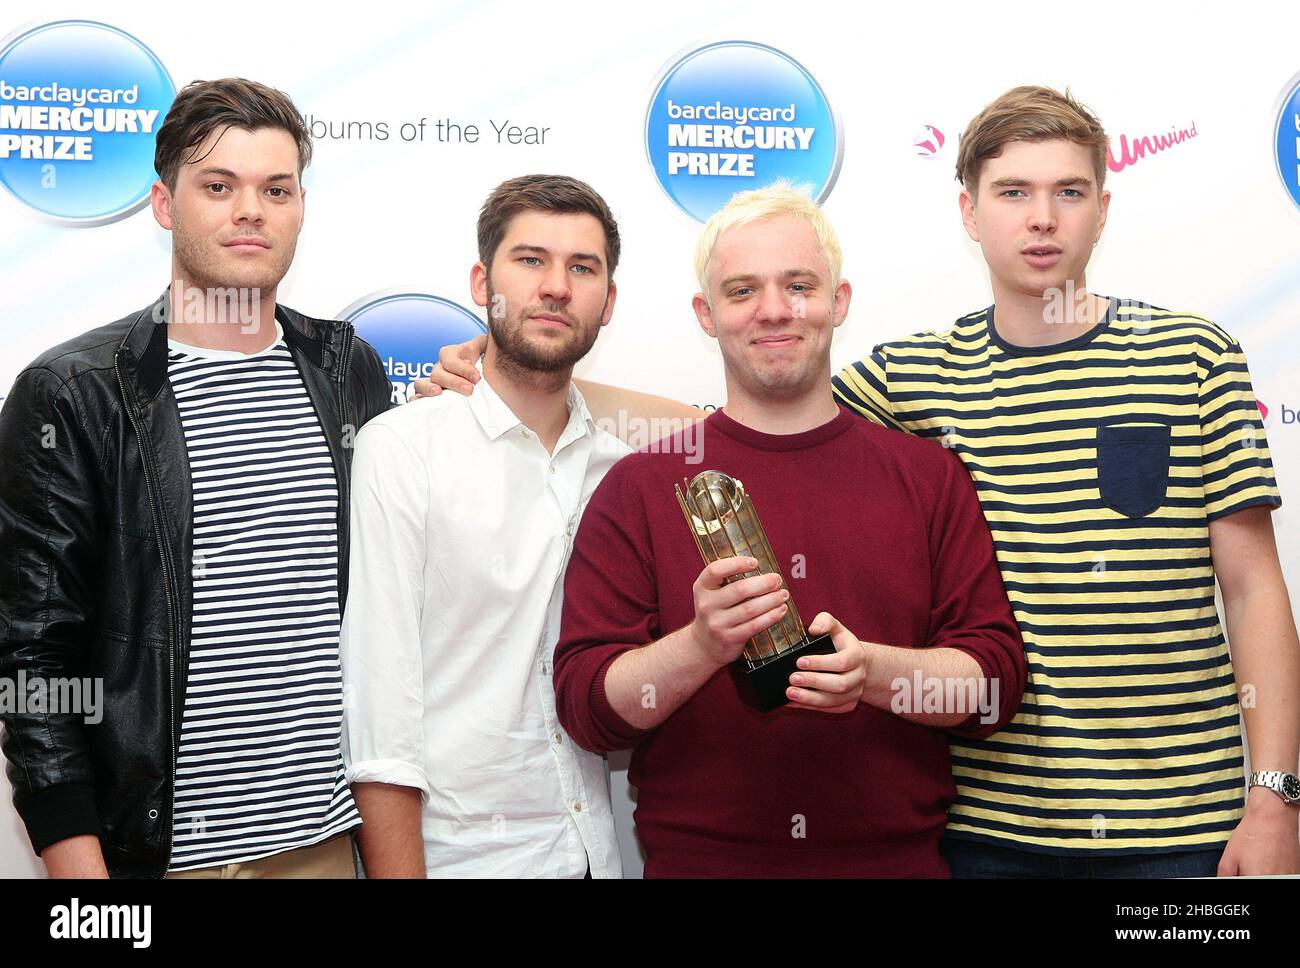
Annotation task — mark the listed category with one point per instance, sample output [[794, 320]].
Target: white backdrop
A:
[[1204, 226]]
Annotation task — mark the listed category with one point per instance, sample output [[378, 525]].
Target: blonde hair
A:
[[1029, 113], [777, 199]]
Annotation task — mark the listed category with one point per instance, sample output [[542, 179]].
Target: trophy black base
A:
[[769, 681]]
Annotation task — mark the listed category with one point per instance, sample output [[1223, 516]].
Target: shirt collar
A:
[[497, 419], [581, 423], [176, 346]]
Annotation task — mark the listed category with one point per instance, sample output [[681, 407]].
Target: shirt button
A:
[[552, 468], [526, 433], [577, 806], [559, 739], [546, 668]]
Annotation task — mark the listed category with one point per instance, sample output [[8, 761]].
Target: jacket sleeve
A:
[[374, 389], [49, 538], [969, 609]]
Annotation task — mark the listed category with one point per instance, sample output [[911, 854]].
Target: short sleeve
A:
[[863, 387], [1236, 467]]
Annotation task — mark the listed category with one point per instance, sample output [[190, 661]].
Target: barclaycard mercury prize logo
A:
[[737, 115], [1286, 139], [80, 106], [407, 329]]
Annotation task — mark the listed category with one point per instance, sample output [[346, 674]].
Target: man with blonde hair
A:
[[844, 780]]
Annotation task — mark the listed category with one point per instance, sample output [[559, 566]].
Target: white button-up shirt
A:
[[462, 526]]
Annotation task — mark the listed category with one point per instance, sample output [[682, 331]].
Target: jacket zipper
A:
[[343, 375], [171, 609], [342, 472]]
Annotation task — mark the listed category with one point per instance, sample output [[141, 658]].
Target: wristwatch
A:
[[1285, 785]]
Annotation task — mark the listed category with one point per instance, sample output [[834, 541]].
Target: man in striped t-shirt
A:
[[1121, 464], [258, 769], [259, 785], [182, 536]]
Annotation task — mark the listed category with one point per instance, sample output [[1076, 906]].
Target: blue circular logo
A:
[[737, 115], [80, 106], [408, 329], [1286, 140]]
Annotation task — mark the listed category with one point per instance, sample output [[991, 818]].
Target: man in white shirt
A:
[[463, 516]]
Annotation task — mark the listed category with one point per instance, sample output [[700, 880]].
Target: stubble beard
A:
[[200, 267], [524, 360]]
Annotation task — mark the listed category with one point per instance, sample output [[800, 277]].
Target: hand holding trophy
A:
[[724, 523]]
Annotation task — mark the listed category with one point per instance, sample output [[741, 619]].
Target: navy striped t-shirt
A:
[[259, 768], [1100, 462]]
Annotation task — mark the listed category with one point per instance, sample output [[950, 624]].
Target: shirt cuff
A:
[[977, 725], [59, 812], [394, 772], [616, 731]]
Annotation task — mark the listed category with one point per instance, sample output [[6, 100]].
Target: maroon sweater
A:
[[894, 546]]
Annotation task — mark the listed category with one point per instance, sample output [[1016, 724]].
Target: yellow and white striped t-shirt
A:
[[1099, 463]]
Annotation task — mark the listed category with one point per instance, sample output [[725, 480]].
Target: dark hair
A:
[[543, 193], [203, 107]]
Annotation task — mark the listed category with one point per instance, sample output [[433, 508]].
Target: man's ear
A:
[[843, 293], [160, 200], [610, 299], [966, 201], [704, 313], [1105, 208], [478, 283]]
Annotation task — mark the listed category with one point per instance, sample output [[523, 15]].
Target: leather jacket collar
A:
[[143, 351]]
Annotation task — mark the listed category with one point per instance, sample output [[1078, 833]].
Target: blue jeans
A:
[[973, 859]]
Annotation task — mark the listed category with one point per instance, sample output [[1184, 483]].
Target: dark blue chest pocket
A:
[[1133, 466]]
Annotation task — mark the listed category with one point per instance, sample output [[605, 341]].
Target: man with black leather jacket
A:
[[173, 523]]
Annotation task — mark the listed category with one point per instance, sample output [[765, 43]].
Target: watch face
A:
[[1291, 787]]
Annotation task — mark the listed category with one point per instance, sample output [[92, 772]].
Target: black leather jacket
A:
[[95, 577]]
